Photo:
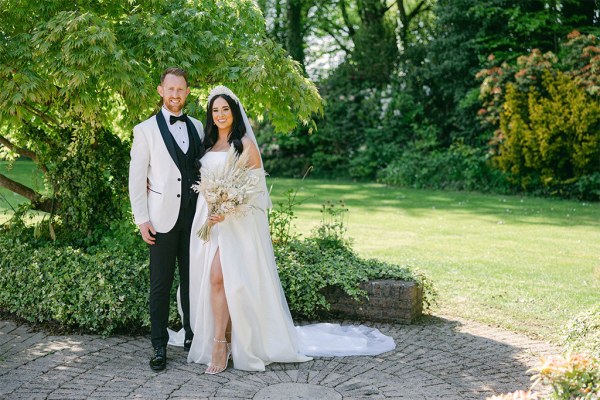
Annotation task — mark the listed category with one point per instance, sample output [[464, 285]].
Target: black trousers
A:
[[169, 249]]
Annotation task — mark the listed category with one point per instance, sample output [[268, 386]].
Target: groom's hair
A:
[[175, 71]]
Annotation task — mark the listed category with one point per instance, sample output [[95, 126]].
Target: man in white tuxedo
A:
[[162, 170]]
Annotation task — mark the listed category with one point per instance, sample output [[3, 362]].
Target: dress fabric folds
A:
[[262, 327]]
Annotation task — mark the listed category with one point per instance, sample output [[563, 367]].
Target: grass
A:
[[521, 263], [525, 264]]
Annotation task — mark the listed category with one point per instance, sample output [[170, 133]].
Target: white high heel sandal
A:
[[227, 357]]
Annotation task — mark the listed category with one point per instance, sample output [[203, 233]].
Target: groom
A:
[[161, 174]]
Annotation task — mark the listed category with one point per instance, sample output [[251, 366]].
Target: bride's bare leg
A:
[[220, 315]]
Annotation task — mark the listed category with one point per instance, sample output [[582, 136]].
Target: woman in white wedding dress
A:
[[233, 276]]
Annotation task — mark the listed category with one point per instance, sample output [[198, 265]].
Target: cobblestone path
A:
[[441, 358]]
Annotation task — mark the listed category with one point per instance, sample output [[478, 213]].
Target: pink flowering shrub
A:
[[576, 376]]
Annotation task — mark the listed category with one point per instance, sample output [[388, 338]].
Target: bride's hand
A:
[[215, 219]]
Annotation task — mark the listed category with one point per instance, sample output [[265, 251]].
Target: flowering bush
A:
[[576, 376]]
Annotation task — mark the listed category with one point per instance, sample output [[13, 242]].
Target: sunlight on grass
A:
[[526, 264]]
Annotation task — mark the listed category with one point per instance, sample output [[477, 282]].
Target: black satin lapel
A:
[[167, 137]]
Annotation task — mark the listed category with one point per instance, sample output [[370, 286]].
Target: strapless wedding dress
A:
[[262, 328]]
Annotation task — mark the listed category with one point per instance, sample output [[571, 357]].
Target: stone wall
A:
[[388, 301]]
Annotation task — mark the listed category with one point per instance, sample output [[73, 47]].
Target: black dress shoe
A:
[[159, 361], [187, 344]]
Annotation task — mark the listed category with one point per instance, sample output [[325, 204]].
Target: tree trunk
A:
[[278, 31], [406, 18], [23, 152], [28, 193], [375, 52], [295, 31]]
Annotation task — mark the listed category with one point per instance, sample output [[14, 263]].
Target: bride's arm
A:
[[254, 156]]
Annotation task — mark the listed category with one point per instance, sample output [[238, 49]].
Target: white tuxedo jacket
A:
[[153, 161]]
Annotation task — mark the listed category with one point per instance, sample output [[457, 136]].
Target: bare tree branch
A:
[[402, 11], [22, 151], [28, 193], [406, 18], [48, 120], [417, 10], [339, 43], [346, 18]]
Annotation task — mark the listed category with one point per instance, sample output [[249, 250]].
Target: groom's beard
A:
[[174, 107]]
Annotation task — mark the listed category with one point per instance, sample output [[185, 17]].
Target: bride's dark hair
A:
[[238, 128]]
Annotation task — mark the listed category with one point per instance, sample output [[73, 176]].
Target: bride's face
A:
[[222, 115]]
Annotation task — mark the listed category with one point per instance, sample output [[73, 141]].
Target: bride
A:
[[237, 305]]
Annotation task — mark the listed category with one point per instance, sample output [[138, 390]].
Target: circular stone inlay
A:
[[297, 391]]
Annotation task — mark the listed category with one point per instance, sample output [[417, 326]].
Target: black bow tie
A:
[[173, 119]]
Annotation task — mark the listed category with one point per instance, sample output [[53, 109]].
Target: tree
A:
[[370, 30], [76, 76], [415, 19], [467, 33], [288, 24]]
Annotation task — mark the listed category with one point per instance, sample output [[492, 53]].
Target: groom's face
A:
[[173, 90]]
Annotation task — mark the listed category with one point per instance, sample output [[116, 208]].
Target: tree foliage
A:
[[417, 121], [357, 136], [76, 76]]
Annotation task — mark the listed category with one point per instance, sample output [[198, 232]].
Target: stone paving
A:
[[440, 358]]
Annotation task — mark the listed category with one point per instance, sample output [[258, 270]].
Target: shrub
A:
[[582, 333], [395, 115], [98, 290], [460, 167], [308, 266], [281, 217], [552, 137], [285, 155], [362, 131], [331, 232], [575, 376], [545, 118], [102, 286]]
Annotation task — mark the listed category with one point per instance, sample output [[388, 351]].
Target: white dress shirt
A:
[[178, 130]]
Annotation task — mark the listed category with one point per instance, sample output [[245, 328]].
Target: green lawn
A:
[[522, 263], [526, 264]]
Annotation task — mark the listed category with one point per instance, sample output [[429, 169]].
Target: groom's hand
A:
[[147, 231]]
